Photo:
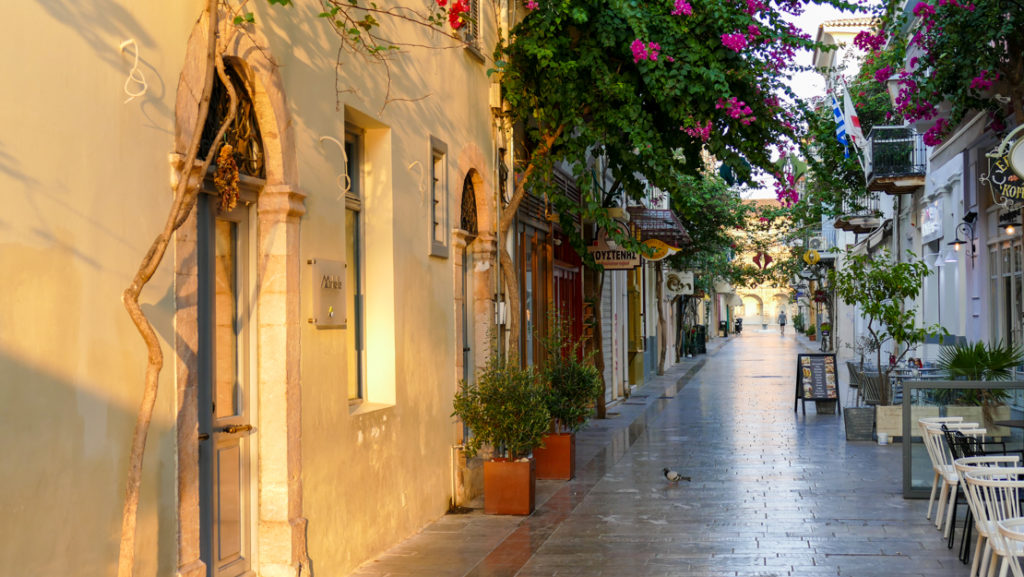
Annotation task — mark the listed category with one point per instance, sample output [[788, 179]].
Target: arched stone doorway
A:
[[274, 208], [473, 270]]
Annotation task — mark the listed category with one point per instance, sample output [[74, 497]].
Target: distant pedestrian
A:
[[782, 322]]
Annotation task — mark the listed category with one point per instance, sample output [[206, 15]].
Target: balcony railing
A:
[[896, 160], [862, 214]]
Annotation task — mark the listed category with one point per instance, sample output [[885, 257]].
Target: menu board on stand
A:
[[816, 379]]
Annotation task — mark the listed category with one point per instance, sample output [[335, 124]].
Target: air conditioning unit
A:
[[817, 243]]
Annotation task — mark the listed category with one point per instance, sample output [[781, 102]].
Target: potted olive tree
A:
[[573, 385], [505, 409], [884, 290]]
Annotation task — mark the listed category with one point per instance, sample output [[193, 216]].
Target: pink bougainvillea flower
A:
[[883, 74], [980, 82], [682, 7], [442, 3], [933, 136], [639, 50], [532, 5], [644, 51], [924, 10], [734, 41]]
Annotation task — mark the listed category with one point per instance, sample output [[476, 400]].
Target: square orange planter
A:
[[557, 458], [509, 487]]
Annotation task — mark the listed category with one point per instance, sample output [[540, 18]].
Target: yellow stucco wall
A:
[[85, 181]]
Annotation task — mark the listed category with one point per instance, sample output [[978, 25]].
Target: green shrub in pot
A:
[[506, 408], [573, 382]]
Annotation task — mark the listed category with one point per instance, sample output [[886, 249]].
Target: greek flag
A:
[[837, 111]]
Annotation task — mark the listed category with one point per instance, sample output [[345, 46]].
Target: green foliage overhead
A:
[[952, 59], [577, 82]]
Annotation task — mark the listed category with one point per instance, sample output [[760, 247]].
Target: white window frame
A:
[[354, 202], [438, 225]]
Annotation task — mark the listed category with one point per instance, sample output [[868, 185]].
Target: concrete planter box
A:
[[890, 419], [975, 414]]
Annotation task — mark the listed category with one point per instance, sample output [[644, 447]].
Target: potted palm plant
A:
[[505, 409], [573, 385], [978, 362]]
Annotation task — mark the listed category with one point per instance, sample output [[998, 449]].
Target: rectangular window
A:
[[355, 337], [438, 198], [471, 27]]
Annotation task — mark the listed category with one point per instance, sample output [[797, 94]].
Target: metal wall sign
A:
[[679, 283], [328, 293]]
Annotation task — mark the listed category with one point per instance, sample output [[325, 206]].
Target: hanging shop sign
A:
[[610, 255], [679, 283], [661, 249], [1007, 186], [1005, 175], [931, 220]]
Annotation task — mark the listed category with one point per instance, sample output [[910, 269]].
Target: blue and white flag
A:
[[837, 111]]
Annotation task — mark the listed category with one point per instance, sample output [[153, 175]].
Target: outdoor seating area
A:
[[970, 468]]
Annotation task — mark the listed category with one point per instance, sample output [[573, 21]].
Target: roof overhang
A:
[[660, 224]]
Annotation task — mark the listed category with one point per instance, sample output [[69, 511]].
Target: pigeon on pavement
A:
[[674, 476]]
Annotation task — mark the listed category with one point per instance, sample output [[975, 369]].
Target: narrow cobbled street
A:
[[774, 493]]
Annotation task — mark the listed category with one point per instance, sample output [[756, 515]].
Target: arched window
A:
[[244, 132], [467, 221]]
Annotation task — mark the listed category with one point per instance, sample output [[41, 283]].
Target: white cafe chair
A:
[[942, 463], [996, 492], [978, 463], [1012, 531]]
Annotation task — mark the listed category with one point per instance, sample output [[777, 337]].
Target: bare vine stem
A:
[[185, 195]]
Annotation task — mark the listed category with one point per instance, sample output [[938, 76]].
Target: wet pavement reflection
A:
[[774, 492]]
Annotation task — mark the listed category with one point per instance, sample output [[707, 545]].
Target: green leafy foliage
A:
[[954, 58], [978, 362], [571, 80], [505, 409]]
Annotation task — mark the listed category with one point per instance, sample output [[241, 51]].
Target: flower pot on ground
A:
[[510, 487], [573, 385], [556, 457], [812, 332], [505, 409]]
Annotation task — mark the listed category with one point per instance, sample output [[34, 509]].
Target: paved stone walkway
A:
[[774, 493]]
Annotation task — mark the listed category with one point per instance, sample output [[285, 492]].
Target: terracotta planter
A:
[[557, 458], [812, 337], [509, 487]]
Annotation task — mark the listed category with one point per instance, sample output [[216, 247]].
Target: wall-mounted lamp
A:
[[965, 235], [1009, 223]]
